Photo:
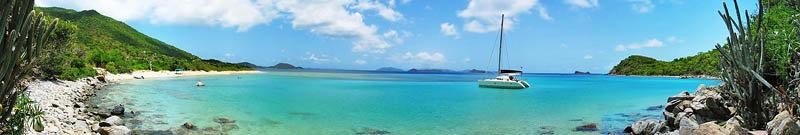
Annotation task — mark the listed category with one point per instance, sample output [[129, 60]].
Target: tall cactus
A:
[[24, 32], [741, 66]]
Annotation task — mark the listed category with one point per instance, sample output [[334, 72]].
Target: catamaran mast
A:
[[499, 70]]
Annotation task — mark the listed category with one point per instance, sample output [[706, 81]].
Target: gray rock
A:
[[115, 130], [710, 108], [783, 124], [114, 120], [223, 120], [189, 125], [734, 126], [81, 126], [648, 127], [709, 128], [118, 110], [687, 126]]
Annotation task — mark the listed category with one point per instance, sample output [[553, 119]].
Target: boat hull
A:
[[492, 83]]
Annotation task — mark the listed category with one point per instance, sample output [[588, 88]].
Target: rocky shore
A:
[[65, 111], [706, 112]]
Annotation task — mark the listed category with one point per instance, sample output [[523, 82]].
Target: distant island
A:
[[702, 65], [475, 71], [390, 69], [250, 65], [579, 72], [431, 70], [284, 66]]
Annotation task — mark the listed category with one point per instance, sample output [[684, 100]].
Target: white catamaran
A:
[[505, 78]]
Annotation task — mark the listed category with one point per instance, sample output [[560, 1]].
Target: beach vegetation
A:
[[89, 39], [759, 65]]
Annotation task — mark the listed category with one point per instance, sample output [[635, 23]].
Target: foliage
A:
[[93, 40], [701, 64], [24, 33], [742, 67]]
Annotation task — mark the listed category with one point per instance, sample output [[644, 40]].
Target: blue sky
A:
[[554, 36]]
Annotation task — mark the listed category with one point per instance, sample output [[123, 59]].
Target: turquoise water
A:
[[310, 103]]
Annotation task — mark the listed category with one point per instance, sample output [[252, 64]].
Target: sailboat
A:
[[505, 78]]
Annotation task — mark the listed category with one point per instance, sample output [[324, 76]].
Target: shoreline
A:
[[145, 74], [65, 110]]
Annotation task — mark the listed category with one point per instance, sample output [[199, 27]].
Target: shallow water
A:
[[326, 102]]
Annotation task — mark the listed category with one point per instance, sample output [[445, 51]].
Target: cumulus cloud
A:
[[420, 58], [649, 43], [642, 6], [582, 3], [483, 14], [449, 30], [338, 19], [360, 62], [319, 58], [674, 39], [384, 11]]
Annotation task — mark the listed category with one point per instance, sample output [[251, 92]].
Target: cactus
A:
[[24, 31], [741, 66]]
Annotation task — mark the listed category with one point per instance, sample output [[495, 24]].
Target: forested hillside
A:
[[87, 39], [701, 64]]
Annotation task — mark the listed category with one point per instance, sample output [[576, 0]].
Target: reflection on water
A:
[[326, 102]]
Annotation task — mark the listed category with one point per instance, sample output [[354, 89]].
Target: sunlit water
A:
[[346, 102]]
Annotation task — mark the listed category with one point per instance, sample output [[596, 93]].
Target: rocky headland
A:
[[706, 112]]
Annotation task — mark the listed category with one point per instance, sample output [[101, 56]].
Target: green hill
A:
[[701, 64], [95, 40]]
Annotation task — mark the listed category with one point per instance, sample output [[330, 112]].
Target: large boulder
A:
[[648, 127], [114, 121], [687, 126], [115, 130], [118, 110], [734, 126], [709, 128], [675, 105], [783, 124], [709, 106]]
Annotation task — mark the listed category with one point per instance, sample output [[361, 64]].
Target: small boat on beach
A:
[[200, 84], [505, 78]]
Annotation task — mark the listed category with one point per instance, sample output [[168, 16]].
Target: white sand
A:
[[169, 74]]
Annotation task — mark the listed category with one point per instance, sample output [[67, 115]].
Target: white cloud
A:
[[674, 39], [449, 30], [420, 58], [642, 6], [466, 60], [397, 37], [484, 14], [649, 43], [582, 3], [321, 58], [587, 57], [360, 62], [543, 13], [338, 19], [384, 11]]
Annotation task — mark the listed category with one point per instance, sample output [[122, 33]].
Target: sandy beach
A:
[[170, 74]]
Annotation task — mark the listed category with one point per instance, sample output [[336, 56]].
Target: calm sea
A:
[[320, 102]]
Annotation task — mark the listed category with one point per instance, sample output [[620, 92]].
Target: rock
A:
[[684, 95], [545, 132], [675, 105], [709, 128], [783, 124], [587, 127], [95, 127], [115, 130], [104, 124], [188, 125], [101, 78], [655, 108], [230, 126], [223, 120], [734, 126], [114, 120], [710, 108], [648, 127], [373, 131], [118, 110], [687, 126], [81, 126]]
